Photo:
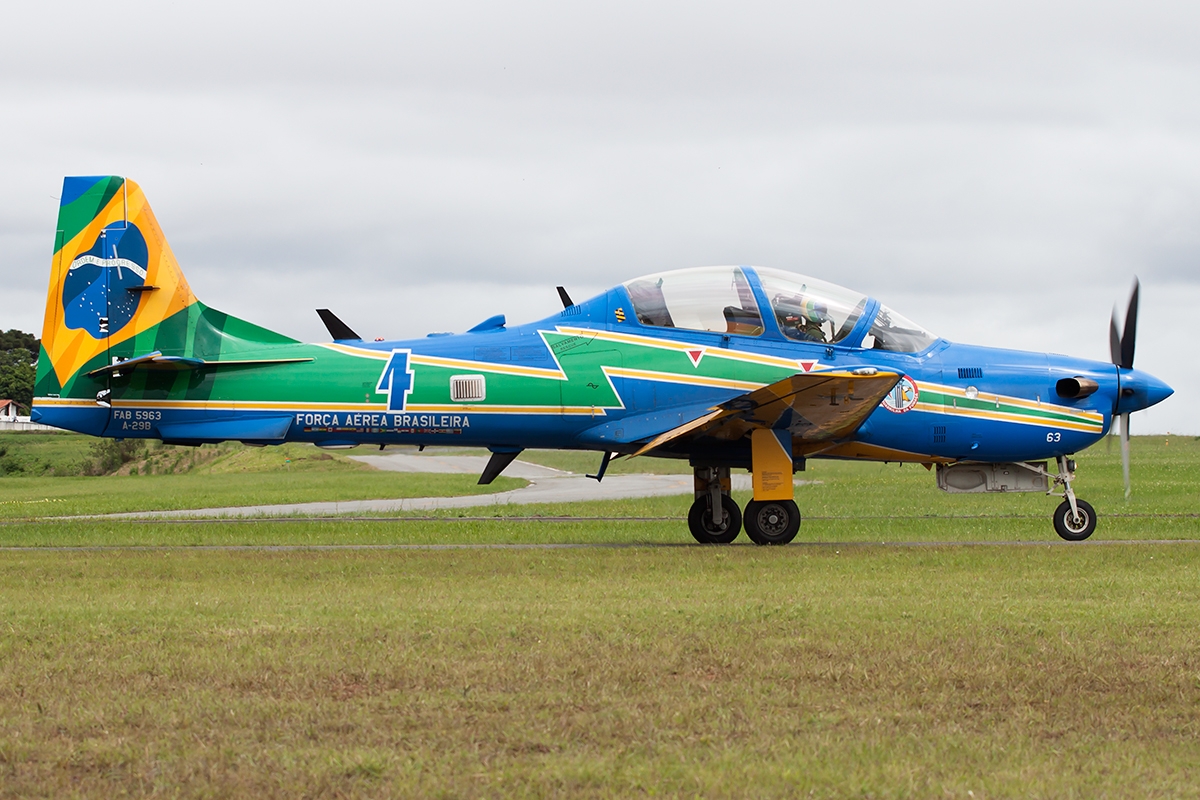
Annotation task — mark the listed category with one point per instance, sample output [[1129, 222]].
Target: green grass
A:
[[868, 672], [44, 497], [845, 670], [36, 453], [843, 502]]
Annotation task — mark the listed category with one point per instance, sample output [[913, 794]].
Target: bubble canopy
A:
[[731, 300]]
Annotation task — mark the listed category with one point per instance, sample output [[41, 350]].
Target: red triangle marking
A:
[[808, 366], [695, 356]]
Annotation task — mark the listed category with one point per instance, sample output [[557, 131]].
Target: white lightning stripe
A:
[[669, 344], [690, 380]]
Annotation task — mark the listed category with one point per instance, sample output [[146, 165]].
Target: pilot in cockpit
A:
[[803, 318]]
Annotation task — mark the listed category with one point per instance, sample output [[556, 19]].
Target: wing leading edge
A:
[[814, 406]]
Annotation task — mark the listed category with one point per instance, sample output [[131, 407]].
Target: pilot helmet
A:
[[816, 311]]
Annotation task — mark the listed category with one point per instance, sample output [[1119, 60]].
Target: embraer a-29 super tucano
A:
[[728, 367]]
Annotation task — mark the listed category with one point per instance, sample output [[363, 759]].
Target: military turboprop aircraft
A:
[[728, 367]]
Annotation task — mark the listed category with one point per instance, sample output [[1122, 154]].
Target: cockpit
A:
[[730, 300]]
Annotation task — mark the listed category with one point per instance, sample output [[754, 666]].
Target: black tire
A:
[[700, 521], [772, 521], [1075, 530]]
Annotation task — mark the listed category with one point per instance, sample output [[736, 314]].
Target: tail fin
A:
[[116, 292]]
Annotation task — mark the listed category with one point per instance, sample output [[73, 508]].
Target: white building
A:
[[8, 411]]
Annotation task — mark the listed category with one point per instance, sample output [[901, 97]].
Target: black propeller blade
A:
[[1121, 345]]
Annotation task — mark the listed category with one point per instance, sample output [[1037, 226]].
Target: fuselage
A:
[[604, 375]]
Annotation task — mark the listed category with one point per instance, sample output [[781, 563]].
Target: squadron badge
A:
[[902, 397]]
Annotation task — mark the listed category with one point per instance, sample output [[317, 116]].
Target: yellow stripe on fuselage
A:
[[252, 405], [1087, 426]]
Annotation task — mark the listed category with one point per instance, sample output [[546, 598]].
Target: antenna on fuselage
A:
[[566, 298], [339, 330]]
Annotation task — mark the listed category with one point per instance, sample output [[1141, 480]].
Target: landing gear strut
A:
[[1074, 519], [771, 517], [714, 517]]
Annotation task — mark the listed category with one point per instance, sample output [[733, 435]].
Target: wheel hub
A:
[[772, 519]]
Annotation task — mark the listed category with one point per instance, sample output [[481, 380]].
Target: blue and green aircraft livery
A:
[[687, 364]]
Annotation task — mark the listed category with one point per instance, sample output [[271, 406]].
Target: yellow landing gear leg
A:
[[772, 516]]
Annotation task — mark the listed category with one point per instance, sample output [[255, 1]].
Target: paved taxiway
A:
[[547, 485]]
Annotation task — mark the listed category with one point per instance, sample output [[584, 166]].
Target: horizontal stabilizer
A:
[[814, 406], [158, 361], [340, 331]]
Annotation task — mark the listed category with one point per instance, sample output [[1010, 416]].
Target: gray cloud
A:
[[997, 172]]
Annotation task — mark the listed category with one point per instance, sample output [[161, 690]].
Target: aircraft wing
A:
[[814, 406]]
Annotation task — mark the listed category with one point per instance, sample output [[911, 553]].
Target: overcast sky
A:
[[997, 172]]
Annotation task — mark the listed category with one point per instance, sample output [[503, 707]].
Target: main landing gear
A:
[[772, 521], [766, 521], [770, 518]]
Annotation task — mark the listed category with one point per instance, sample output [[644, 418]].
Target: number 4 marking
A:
[[396, 380]]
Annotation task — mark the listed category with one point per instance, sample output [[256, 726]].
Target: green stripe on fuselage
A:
[[1048, 413]]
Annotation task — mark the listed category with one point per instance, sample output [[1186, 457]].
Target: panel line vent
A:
[[970, 372]]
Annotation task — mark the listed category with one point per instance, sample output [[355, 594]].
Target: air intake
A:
[[467, 388], [970, 372]]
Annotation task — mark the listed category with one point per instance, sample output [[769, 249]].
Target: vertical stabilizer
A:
[[113, 277], [116, 293]]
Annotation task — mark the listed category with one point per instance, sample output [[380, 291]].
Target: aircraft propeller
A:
[[1121, 345]]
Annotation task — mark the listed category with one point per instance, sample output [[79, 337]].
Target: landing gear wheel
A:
[[772, 521], [1070, 527], [705, 531]]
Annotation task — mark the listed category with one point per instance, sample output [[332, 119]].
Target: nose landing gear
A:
[[1074, 519]]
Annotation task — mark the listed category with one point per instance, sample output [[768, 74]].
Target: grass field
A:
[[845, 670]]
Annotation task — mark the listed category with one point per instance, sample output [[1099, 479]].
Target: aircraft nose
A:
[[1140, 390]]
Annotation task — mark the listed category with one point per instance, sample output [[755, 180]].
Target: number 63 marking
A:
[[1054, 436]]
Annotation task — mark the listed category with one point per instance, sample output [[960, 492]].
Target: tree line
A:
[[18, 360]]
